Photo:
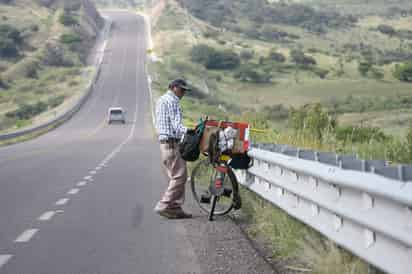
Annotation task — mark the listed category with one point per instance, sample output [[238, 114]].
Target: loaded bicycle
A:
[[213, 182]]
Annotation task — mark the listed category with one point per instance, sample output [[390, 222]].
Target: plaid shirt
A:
[[169, 118]]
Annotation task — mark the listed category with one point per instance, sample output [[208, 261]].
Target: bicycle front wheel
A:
[[203, 175]]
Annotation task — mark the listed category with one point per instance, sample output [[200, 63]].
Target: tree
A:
[[200, 53], [8, 48], [226, 59], [300, 59], [276, 56], [3, 84], [10, 32], [311, 119], [403, 72], [247, 54], [214, 59], [316, 121], [270, 32], [377, 73], [386, 29], [67, 19], [364, 67], [322, 73], [70, 38], [247, 73]]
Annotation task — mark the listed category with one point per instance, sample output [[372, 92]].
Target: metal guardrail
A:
[[344, 198], [70, 112]]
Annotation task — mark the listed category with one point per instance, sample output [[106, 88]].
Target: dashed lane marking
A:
[[93, 172], [46, 216], [62, 201], [4, 259], [73, 191], [88, 178], [83, 183], [26, 236]]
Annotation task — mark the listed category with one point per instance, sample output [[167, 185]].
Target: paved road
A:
[[80, 199]]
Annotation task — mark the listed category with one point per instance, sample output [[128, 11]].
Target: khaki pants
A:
[[176, 170]]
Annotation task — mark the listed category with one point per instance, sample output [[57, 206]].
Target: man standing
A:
[[169, 124]]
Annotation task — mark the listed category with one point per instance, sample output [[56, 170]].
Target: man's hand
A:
[[191, 131]]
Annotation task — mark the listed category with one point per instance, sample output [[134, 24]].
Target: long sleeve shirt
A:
[[169, 118]]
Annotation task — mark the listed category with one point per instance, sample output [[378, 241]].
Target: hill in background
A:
[[44, 45], [351, 56]]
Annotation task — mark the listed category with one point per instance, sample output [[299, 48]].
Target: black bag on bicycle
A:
[[189, 146], [240, 161]]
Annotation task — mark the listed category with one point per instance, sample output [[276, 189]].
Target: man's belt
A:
[[169, 141]]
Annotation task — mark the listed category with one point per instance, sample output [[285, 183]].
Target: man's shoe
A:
[[174, 213], [183, 215]]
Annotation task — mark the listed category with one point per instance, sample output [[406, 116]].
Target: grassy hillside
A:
[[119, 3], [43, 48], [353, 54]]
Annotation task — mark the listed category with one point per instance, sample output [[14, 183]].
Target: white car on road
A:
[[116, 114]]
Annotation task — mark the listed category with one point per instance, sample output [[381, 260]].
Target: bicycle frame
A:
[[216, 188]]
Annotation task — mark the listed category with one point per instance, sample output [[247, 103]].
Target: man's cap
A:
[[179, 83]]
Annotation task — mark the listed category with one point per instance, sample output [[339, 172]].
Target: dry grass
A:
[[295, 248]]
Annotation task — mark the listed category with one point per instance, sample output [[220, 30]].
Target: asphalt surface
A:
[[80, 199]]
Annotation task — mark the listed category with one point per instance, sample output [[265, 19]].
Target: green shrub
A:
[[360, 134], [56, 101], [200, 53], [22, 123], [312, 120], [70, 38], [275, 112], [10, 32], [409, 142], [27, 111], [403, 72], [386, 29], [211, 33], [34, 28], [8, 48], [377, 73], [247, 54], [68, 19], [212, 58], [10, 39], [299, 58], [3, 84], [320, 72], [251, 73], [226, 59], [364, 67], [276, 56]]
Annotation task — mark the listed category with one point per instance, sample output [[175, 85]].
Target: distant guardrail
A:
[[364, 206], [70, 112]]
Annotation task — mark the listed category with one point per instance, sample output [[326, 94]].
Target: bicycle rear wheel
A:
[[203, 176]]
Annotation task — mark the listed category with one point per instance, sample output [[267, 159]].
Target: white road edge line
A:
[[4, 259], [46, 216], [26, 236], [62, 201], [73, 191]]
